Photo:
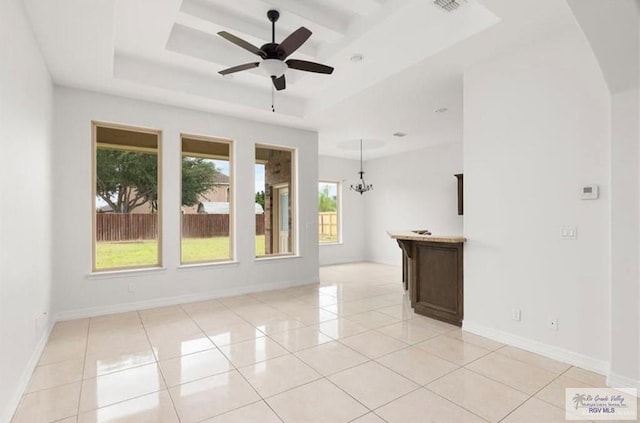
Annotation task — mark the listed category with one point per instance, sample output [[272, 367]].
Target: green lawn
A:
[[145, 253], [198, 250], [328, 238], [126, 254]]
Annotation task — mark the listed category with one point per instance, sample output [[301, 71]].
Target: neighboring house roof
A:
[[104, 209], [211, 207], [222, 179]]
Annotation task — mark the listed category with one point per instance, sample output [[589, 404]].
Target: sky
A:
[[333, 188], [223, 166]]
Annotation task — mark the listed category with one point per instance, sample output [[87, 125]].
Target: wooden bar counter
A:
[[433, 274]]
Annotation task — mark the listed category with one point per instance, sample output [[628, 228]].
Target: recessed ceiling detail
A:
[[416, 53], [392, 34]]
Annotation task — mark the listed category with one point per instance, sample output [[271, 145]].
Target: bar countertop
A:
[[410, 235]]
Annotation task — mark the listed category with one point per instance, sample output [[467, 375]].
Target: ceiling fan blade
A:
[[293, 42], [242, 43], [239, 68], [303, 65], [279, 83]]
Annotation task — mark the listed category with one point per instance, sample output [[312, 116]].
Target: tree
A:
[[326, 203], [260, 198], [126, 179], [198, 176]]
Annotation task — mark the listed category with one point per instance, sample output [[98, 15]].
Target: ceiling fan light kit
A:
[[273, 67], [273, 55]]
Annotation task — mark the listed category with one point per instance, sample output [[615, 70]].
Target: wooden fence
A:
[[138, 226], [328, 226]]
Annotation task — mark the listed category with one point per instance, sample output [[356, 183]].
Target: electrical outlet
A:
[[132, 288], [516, 314], [552, 323]]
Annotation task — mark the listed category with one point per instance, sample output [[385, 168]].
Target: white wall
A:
[[76, 294], [25, 220], [625, 215], [351, 249], [612, 33], [617, 51], [416, 190], [536, 127]]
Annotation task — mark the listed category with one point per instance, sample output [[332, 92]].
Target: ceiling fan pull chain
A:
[[273, 96]]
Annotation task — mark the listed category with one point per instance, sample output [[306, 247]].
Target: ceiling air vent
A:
[[448, 5]]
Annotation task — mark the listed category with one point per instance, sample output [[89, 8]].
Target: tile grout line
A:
[[534, 396], [144, 327], [454, 403], [322, 377], [84, 365], [424, 386], [292, 353], [234, 368], [118, 371]]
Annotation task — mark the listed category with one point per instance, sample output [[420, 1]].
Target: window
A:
[[328, 212], [207, 206], [127, 206], [275, 201]]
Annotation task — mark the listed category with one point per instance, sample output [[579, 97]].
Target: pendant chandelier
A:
[[361, 186]]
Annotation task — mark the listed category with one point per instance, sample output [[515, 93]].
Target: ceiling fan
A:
[[273, 54]]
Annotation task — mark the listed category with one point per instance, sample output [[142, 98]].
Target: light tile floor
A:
[[347, 350]]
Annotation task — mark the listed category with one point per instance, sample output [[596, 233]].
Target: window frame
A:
[[338, 210], [230, 193], [293, 201], [94, 171]]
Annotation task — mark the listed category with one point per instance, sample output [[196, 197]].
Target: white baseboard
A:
[[338, 262], [181, 299], [12, 405], [550, 351], [618, 381]]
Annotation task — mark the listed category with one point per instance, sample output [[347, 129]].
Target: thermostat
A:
[[590, 192]]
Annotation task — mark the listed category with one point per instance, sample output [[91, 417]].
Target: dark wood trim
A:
[[405, 246], [405, 271], [460, 178], [406, 260]]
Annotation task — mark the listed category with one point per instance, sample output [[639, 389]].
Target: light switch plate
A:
[[569, 233], [516, 314]]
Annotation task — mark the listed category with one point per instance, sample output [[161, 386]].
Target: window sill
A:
[[330, 243], [110, 274], [277, 257], [209, 265]]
